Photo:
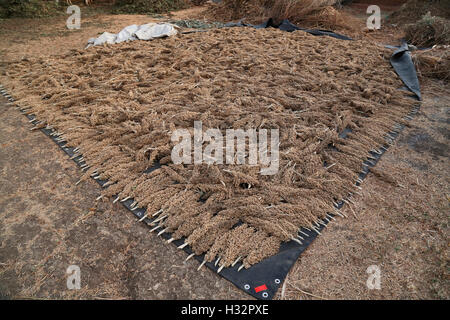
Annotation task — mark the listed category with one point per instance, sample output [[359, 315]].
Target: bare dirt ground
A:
[[400, 222]]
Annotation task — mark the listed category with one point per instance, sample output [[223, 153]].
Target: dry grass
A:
[[307, 13], [413, 10], [433, 63], [121, 119], [428, 31], [310, 13]]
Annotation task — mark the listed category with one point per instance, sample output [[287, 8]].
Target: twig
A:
[[304, 292], [283, 290]]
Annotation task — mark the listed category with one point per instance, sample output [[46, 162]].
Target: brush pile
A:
[[413, 10], [433, 63], [428, 31], [425, 22], [306, 13], [120, 104]]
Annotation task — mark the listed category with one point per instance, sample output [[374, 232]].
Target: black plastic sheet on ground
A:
[[403, 65], [263, 279]]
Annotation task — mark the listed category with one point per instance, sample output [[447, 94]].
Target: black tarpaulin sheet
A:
[[262, 280], [403, 65]]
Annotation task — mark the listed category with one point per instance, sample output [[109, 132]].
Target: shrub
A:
[[148, 6], [428, 31], [28, 8]]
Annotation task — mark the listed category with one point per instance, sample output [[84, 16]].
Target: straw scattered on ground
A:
[[120, 104]]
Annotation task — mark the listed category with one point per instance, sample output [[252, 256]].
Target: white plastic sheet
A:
[[147, 31]]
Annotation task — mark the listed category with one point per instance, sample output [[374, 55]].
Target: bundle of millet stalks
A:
[[119, 105]]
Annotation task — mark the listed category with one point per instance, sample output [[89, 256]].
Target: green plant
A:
[[28, 8], [148, 6]]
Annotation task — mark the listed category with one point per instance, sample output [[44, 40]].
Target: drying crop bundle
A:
[[119, 105]]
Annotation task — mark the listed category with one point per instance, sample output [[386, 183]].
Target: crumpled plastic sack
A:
[[127, 34], [147, 31]]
